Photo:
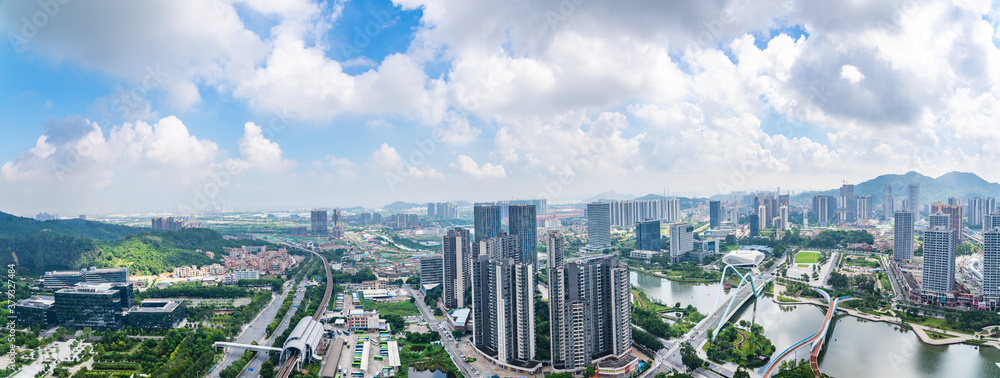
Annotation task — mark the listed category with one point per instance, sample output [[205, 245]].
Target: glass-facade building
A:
[[98, 306], [156, 314], [38, 309]]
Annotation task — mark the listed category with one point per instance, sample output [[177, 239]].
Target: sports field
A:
[[807, 257]]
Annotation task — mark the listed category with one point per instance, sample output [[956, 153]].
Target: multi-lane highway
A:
[[439, 325], [253, 368], [286, 368], [255, 331]]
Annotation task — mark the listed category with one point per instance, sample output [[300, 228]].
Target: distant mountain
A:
[[12, 226], [951, 184], [609, 196], [686, 202], [403, 206]]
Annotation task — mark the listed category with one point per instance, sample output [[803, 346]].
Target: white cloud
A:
[[386, 159], [851, 73], [344, 168], [257, 152], [469, 167]]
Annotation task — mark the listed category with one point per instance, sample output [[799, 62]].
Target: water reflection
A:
[[854, 348]]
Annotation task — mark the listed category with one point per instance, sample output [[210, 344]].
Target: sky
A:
[[184, 106]]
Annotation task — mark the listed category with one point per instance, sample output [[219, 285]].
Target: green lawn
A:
[[402, 308], [807, 258], [803, 265]]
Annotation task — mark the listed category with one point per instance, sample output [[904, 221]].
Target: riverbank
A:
[[921, 331], [674, 278]]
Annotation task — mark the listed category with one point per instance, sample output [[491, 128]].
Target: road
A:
[[253, 368], [449, 343], [255, 331], [669, 358], [285, 369]]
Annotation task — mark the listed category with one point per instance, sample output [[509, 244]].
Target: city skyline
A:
[[370, 102]]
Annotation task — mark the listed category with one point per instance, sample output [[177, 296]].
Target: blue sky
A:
[[343, 103]]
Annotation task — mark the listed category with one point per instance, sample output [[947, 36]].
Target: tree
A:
[[689, 357], [589, 372], [267, 369], [457, 334], [741, 373], [838, 281]]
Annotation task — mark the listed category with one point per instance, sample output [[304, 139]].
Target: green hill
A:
[[952, 184], [36, 247], [12, 226]]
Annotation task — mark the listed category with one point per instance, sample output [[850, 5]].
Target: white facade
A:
[[743, 257], [245, 274], [681, 239]]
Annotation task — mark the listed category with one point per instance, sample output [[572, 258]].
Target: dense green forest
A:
[[13, 227], [36, 247]]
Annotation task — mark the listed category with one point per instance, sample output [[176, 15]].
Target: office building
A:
[[954, 212], [888, 204], [504, 308], [486, 219], [599, 225], [156, 314], [681, 239], [457, 257], [523, 225], [991, 267], [847, 205], [431, 270], [167, 224], [979, 208], [319, 222], [714, 215], [100, 306], [589, 312], [95, 275], [647, 235], [754, 225], [939, 261], [56, 280], [902, 244], [865, 210], [913, 199], [37, 310]]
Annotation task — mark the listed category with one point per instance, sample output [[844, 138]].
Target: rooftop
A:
[[155, 305]]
